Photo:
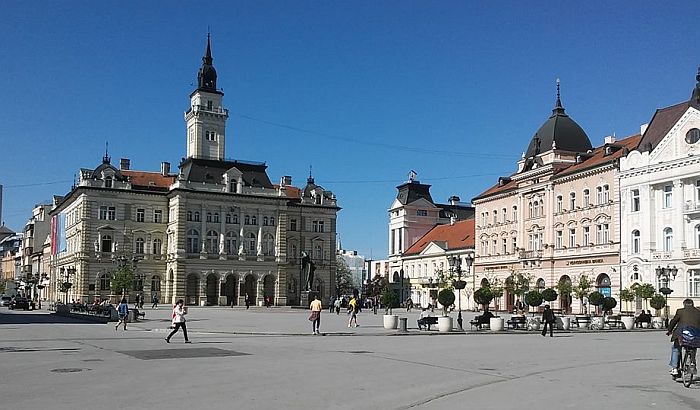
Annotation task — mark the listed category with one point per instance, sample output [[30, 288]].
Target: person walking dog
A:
[[179, 312]]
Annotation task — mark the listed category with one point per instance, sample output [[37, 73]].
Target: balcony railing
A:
[[536, 254], [657, 255], [691, 254], [692, 206]]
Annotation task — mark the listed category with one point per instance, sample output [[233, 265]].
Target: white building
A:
[[356, 265], [660, 203]]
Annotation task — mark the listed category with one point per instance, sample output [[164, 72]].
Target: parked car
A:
[[20, 303], [5, 300]]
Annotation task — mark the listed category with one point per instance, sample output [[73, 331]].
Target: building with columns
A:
[[556, 218], [210, 233], [660, 203]]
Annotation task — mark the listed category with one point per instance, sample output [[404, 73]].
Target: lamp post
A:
[[665, 274], [456, 266], [66, 285]]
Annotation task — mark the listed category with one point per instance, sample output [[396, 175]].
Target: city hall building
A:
[[557, 217], [210, 233]]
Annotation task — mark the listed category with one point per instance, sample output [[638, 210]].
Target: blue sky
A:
[[363, 91]]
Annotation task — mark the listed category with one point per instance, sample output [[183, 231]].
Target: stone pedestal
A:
[[306, 297]]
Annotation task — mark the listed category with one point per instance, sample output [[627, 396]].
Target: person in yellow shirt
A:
[[354, 308], [315, 317]]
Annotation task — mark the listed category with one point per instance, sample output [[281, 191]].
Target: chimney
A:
[[610, 139], [453, 200], [286, 180], [453, 219], [124, 164], [643, 128], [164, 168]]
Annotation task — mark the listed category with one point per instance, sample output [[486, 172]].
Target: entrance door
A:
[[212, 290], [229, 290], [192, 289]]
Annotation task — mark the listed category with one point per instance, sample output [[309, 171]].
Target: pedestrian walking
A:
[[548, 319], [354, 307], [247, 301], [155, 301], [409, 304], [336, 305], [179, 312], [123, 312], [315, 317]]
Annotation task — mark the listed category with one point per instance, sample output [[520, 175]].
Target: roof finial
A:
[[310, 180], [106, 159], [558, 108], [696, 92]]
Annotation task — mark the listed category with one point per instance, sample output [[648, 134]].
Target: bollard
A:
[[403, 324]]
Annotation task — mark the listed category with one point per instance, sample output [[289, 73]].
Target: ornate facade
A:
[[210, 233]]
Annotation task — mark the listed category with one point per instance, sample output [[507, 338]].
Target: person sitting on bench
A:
[[643, 318], [484, 319], [422, 321]]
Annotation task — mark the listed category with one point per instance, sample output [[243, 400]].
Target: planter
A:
[[628, 321], [445, 323], [645, 325], [533, 323], [391, 322], [496, 324], [657, 322], [564, 323]]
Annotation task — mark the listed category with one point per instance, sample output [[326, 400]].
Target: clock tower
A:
[[206, 117]]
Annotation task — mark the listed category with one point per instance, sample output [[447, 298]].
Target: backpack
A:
[[123, 309], [689, 336]]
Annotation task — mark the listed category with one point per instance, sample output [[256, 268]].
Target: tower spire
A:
[[696, 92], [558, 108], [206, 77], [106, 159]]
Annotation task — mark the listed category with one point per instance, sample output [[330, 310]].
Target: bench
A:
[[578, 320], [479, 321], [517, 322], [427, 322], [614, 321]]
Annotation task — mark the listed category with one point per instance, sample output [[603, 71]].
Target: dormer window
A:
[[233, 186], [108, 182]]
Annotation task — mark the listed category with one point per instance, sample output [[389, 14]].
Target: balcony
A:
[[691, 255], [536, 254], [658, 255], [691, 207]]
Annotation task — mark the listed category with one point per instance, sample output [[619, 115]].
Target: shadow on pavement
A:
[[39, 318]]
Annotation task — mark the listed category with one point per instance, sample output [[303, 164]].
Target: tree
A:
[[658, 302], [445, 278], [446, 297], [496, 285], [549, 295], [627, 295], [533, 298], [483, 296], [123, 280], [344, 284], [645, 291], [518, 284], [390, 300], [582, 289], [376, 286], [3, 286], [596, 298], [608, 304]]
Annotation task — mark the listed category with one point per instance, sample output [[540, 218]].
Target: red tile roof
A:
[[460, 235], [149, 179], [598, 156], [292, 191], [661, 123]]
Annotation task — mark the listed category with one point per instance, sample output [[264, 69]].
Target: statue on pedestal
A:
[[308, 267]]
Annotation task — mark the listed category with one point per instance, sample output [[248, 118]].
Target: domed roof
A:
[[559, 132]]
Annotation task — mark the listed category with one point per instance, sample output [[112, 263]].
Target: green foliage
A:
[[657, 302], [376, 286], [533, 298], [446, 297], [3, 286], [608, 303], [445, 279], [627, 295], [496, 286], [518, 284], [344, 284], [390, 299], [564, 287], [549, 295], [645, 291], [483, 296], [122, 281], [596, 298], [582, 288]]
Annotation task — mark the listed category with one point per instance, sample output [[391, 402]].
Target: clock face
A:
[[692, 136]]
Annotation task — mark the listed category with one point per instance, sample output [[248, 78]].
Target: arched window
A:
[[106, 243], [196, 216], [228, 218], [572, 201], [272, 221], [246, 219], [155, 283], [293, 251], [636, 241], [235, 218], [108, 182], [208, 216], [157, 246], [253, 220], [216, 217], [104, 281], [268, 244], [139, 245], [540, 284], [560, 203], [212, 244], [668, 240], [694, 283], [192, 241], [231, 246], [530, 209], [264, 221], [697, 236], [250, 238], [606, 194], [318, 253], [189, 215], [515, 213], [586, 197]]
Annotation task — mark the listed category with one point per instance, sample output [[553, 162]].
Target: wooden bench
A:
[[427, 322], [480, 321], [517, 322], [614, 321], [579, 319]]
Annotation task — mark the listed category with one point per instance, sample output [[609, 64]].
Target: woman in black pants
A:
[[179, 312], [548, 319]]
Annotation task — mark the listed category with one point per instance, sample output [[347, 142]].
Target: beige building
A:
[[557, 217], [211, 233]]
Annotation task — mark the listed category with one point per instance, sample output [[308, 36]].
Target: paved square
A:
[[157, 354]]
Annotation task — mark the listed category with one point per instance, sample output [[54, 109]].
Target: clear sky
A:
[[363, 91]]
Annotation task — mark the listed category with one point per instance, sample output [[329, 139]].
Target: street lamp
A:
[[456, 266], [66, 285], [665, 274]]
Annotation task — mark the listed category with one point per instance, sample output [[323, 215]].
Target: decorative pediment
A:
[[435, 248]]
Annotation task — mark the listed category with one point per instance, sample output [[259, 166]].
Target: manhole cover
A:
[[359, 351], [92, 360], [68, 370], [486, 368], [181, 353]]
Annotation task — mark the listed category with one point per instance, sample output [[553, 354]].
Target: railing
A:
[[661, 255], [536, 254], [691, 206], [691, 253], [215, 110]]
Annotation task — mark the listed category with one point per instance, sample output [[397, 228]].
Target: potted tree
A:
[[390, 300], [581, 291], [533, 299], [446, 297], [645, 291], [658, 302]]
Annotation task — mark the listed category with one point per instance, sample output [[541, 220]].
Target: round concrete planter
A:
[[533, 323], [645, 325], [445, 323], [496, 324], [657, 322], [564, 323], [628, 321], [391, 321]]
